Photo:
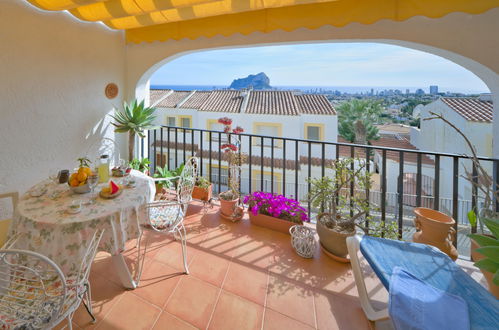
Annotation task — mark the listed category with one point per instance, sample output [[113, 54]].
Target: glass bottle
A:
[[103, 168]]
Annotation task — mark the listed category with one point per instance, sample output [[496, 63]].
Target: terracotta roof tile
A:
[[471, 109], [156, 95], [409, 157], [259, 102], [314, 104], [173, 99], [272, 103], [196, 100], [223, 101]]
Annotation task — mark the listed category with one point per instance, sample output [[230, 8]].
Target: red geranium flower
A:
[[225, 121], [238, 130]]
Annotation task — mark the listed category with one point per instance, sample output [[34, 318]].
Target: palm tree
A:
[[134, 119], [356, 120]]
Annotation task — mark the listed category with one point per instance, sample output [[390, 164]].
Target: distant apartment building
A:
[[274, 114], [473, 116], [433, 90]]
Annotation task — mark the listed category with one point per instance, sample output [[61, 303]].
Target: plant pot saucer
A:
[[336, 258], [230, 218]]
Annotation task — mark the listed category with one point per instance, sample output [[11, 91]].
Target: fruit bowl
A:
[[83, 189]]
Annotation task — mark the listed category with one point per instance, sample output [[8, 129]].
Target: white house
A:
[[473, 116], [270, 113]]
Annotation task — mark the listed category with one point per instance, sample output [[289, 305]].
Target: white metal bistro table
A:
[[48, 228]]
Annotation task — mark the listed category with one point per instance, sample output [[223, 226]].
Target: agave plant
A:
[[135, 118]]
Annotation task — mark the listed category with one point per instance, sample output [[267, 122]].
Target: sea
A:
[[317, 89]]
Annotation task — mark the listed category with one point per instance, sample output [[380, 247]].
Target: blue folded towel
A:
[[415, 305]]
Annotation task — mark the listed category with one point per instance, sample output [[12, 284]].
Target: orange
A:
[[87, 170], [82, 176], [74, 182], [73, 177]]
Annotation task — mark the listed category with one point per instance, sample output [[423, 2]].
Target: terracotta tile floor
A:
[[242, 277]]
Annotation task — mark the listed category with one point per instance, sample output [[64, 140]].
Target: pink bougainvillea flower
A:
[[275, 205]]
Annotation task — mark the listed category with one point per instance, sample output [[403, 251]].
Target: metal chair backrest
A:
[[187, 181], [89, 257], [32, 290]]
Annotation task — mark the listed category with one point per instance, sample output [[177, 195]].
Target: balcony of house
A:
[[84, 249], [402, 179]]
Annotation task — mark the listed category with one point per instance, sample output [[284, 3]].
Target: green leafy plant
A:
[[343, 211], [140, 164], [489, 247], [135, 118], [163, 172], [84, 162], [202, 182]]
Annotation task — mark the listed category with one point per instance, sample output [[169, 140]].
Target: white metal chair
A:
[[35, 294], [168, 216], [5, 223]]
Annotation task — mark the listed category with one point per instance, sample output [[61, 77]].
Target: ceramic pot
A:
[[203, 194], [333, 241], [160, 190], [476, 256], [227, 207], [269, 222], [435, 228]]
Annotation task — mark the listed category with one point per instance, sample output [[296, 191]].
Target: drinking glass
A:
[[92, 181], [53, 175]]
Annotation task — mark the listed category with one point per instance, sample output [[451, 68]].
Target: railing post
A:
[[161, 146], [272, 165], [284, 167], [474, 195], [383, 192], [436, 187], [401, 194], [455, 194]]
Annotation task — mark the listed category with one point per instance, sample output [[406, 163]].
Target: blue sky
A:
[[332, 64]]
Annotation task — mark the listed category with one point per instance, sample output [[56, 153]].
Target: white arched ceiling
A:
[[467, 40]]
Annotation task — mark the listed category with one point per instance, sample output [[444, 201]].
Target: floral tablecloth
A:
[[48, 228]]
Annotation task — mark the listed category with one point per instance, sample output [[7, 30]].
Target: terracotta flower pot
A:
[[476, 256], [227, 207], [160, 190], [269, 222], [333, 241], [436, 229], [203, 194]]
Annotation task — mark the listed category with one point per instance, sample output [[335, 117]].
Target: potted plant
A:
[[141, 165], [134, 119], [343, 212], [274, 211], [229, 200], [202, 189], [171, 176], [485, 245]]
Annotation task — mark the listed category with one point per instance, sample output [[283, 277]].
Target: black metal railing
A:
[[281, 165]]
